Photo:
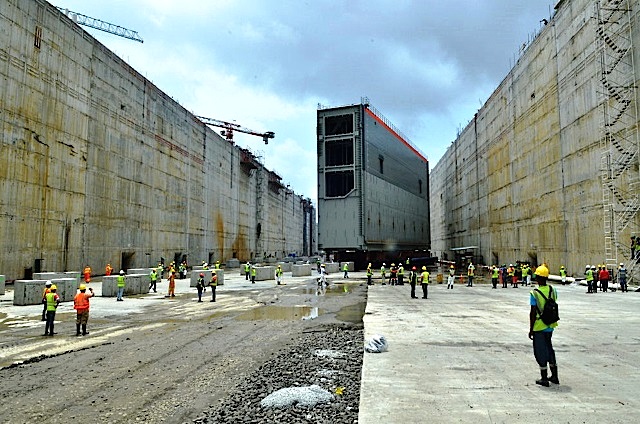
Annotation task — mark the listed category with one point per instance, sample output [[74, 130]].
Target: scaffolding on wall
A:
[[619, 139]]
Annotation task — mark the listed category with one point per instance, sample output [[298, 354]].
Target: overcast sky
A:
[[426, 65]]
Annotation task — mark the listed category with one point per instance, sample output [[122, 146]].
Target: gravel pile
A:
[[330, 360]]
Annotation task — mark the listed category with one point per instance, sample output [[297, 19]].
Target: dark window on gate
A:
[[338, 184], [339, 152], [420, 186], [381, 159], [339, 124]]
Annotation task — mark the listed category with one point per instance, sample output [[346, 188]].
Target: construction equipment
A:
[[230, 127], [88, 21]]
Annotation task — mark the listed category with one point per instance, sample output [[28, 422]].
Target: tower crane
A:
[[88, 21], [230, 127]]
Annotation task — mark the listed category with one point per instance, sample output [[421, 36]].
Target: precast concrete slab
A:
[[332, 267], [265, 273], [464, 355], [302, 270]]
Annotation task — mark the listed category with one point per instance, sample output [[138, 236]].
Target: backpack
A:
[[549, 313]]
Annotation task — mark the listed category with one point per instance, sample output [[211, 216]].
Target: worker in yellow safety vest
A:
[[424, 282]]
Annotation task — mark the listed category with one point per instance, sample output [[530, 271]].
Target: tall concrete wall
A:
[[522, 181], [98, 165]]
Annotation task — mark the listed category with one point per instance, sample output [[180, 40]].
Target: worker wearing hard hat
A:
[[47, 289], [540, 332], [563, 275], [247, 269], [400, 274], [622, 278], [369, 275], [81, 305], [451, 277], [471, 271], [424, 282], [588, 275], [413, 280], [213, 283], [495, 275], [153, 280], [279, 274], [52, 300], [120, 282], [383, 274], [200, 286]]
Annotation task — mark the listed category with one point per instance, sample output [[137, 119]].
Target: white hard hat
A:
[[621, 264], [121, 272]]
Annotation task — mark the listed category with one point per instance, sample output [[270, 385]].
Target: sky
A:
[[427, 65]]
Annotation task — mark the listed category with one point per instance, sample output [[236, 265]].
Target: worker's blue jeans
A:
[[543, 349]]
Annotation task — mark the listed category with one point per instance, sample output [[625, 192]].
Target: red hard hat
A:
[[414, 268], [201, 274]]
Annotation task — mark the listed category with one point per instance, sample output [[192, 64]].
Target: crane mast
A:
[[230, 127]]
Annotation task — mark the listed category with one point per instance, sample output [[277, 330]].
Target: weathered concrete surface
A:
[[265, 273], [523, 181], [463, 355], [2, 283], [88, 149], [134, 284], [300, 270]]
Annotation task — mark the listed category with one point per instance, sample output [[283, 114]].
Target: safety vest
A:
[[246, 267], [470, 270], [539, 325], [44, 293], [425, 277], [214, 280], [253, 272], [622, 273], [452, 271], [401, 270], [413, 277], [52, 301], [563, 272], [120, 280], [345, 267], [279, 272], [382, 270], [200, 283], [589, 275], [81, 301], [369, 272], [154, 276], [495, 273]]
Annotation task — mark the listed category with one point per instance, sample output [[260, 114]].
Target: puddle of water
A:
[[352, 313], [290, 313], [332, 290]]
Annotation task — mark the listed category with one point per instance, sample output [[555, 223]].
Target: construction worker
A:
[[563, 275], [393, 275], [503, 275], [588, 274], [323, 276], [81, 305], [153, 277], [200, 286], [279, 274], [172, 284], [526, 274], [604, 277], [253, 274], [121, 282], [413, 280], [470, 273], [451, 277], [383, 274], [511, 272], [369, 275], [47, 289], [247, 269], [345, 268], [517, 275], [540, 332], [213, 284], [217, 264], [52, 301], [495, 275], [160, 270], [108, 270], [424, 282], [622, 278], [596, 277], [87, 274], [400, 275]]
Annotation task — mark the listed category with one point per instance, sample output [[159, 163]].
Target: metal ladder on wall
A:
[[619, 142], [260, 213]]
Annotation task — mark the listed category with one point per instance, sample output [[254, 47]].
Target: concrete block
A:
[[134, 271], [265, 273], [2, 283], [196, 274], [350, 266], [303, 270], [332, 267], [220, 274], [232, 263], [109, 286], [66, 288], [28, 292], [286, 266], [134, 284]]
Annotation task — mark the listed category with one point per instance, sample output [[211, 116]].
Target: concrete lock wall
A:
[[302, 270], [80, 130], [523, 180]]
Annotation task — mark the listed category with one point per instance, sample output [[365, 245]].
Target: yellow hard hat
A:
[[82, 287], [54, 287], [542, 271], [424, 268]]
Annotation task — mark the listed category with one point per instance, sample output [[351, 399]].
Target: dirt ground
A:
[[152, 359]]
